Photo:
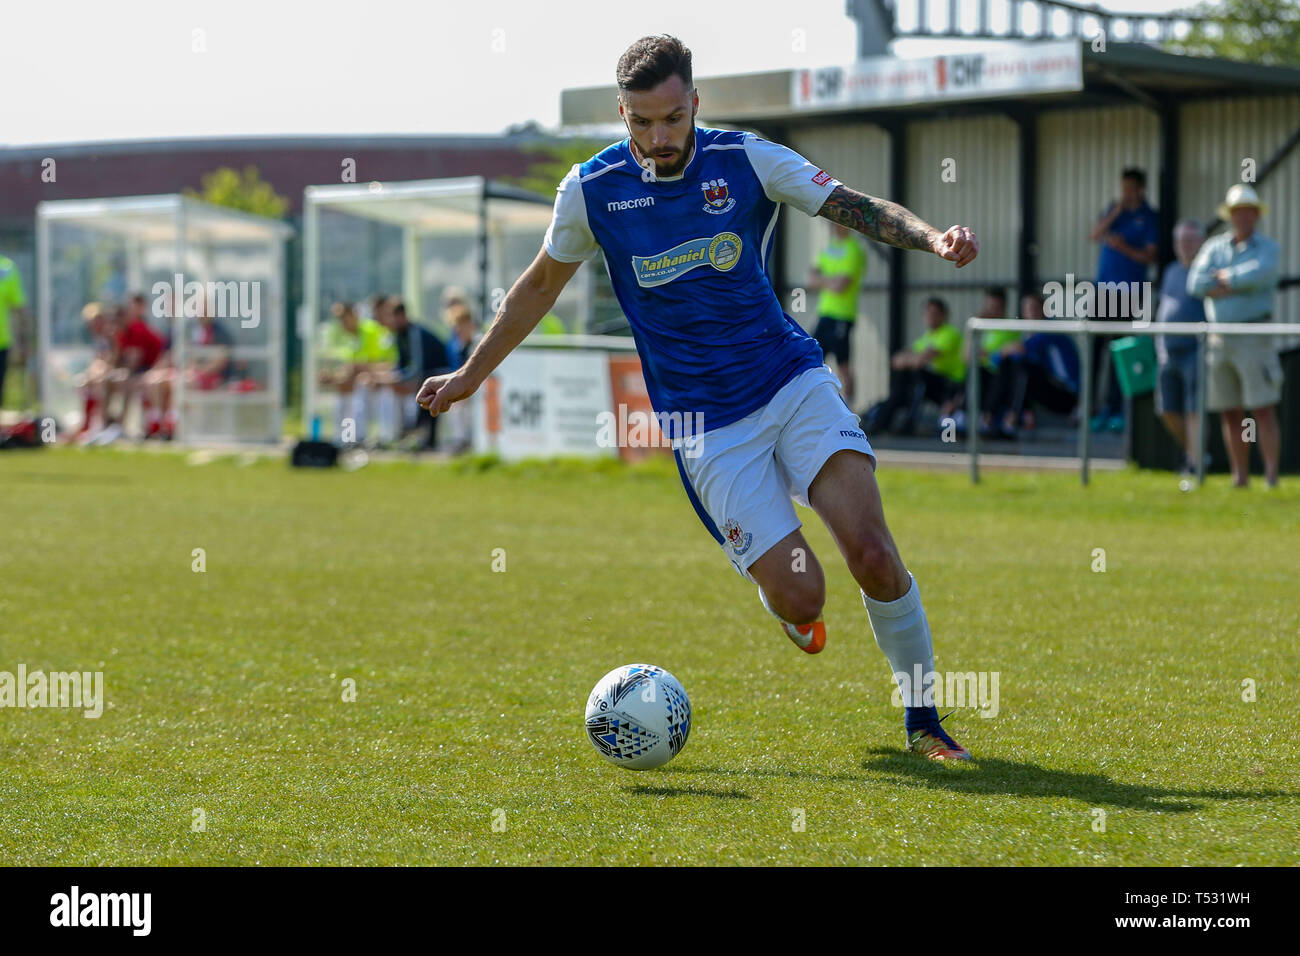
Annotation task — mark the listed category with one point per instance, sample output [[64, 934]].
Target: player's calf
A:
[[792, 588]]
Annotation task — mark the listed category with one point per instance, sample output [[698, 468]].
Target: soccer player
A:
[[686, 216], [93, 382], [137, 348]]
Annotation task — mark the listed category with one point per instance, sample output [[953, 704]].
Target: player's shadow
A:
[[642, 791], [991, 775]]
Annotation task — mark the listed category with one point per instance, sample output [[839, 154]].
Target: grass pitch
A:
[[1122, 735]]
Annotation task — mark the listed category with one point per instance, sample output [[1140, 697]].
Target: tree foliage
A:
[[246, 191], [1254, 31]]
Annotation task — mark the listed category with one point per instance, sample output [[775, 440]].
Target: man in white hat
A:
[[1236, 272]]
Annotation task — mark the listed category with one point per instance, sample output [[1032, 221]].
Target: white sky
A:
[[126, 69]]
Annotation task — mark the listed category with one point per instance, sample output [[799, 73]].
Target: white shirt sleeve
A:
[[787, 177], [569, 237]]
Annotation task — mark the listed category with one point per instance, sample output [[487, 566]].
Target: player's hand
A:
[[957, 245], [440, 392]]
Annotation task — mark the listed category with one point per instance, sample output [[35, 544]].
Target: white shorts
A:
[[742, 477]]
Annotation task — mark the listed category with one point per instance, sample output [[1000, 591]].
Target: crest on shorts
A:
[[739, 540], [716, 196]]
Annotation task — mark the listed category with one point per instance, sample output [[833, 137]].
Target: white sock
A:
[[361, 410], [763, 597], [340, 411], [387, 415], [903, 633]]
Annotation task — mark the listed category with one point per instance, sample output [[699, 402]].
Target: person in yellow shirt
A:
[[932, 369], [994, 346], [12, 302], [360, 355], [837, 277]]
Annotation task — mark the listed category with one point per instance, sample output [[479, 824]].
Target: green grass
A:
[[1119, 691]]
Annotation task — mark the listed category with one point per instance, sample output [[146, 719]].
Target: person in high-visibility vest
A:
[[12, 302], [838, 276]]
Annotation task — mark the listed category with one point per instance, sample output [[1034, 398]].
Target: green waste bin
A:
[[1135, 364]]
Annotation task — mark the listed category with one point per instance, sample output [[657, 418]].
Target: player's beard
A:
[[679, 163]]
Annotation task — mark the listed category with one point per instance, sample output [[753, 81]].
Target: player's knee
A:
[[875, 559]]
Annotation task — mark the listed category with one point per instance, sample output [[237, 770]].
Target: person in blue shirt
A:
[[686, 218], [1178, 357], [1129, 231], [420, 353], [1236, 273], [1039, 371]]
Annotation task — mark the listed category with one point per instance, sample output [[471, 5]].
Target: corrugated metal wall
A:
[[983, 153], [982, 193], [1217, 136], [985, 158], [1080, 156], [858, 156]]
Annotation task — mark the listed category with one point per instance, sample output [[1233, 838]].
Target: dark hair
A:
[[651, 60], [996, 292], [1135, 174], [941, 305]]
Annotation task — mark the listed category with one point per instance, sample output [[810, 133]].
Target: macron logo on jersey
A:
[[619, 206]]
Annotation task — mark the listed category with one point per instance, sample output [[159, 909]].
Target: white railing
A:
[[1083, 331]]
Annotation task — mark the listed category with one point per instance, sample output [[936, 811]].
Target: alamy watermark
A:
[[977, 689], [1085, 299], [637, 428], [217, 300], [74, 689]]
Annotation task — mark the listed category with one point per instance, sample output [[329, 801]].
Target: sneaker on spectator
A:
[[106, 435]]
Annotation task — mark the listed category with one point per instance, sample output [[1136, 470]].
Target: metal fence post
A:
[[1085, 402], [973, 406], [1203, 360]]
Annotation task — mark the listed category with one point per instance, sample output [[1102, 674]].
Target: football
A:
[[638, 716]]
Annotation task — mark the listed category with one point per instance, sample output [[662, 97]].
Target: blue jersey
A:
[[688, 257], [1139, 228], [1055, 354]]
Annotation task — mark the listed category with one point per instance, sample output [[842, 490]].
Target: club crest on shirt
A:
[[717, 198], [739, 540]]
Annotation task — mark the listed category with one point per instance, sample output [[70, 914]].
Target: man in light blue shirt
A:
[[1236, 273]]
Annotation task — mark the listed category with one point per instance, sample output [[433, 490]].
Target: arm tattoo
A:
[[878, 219]]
